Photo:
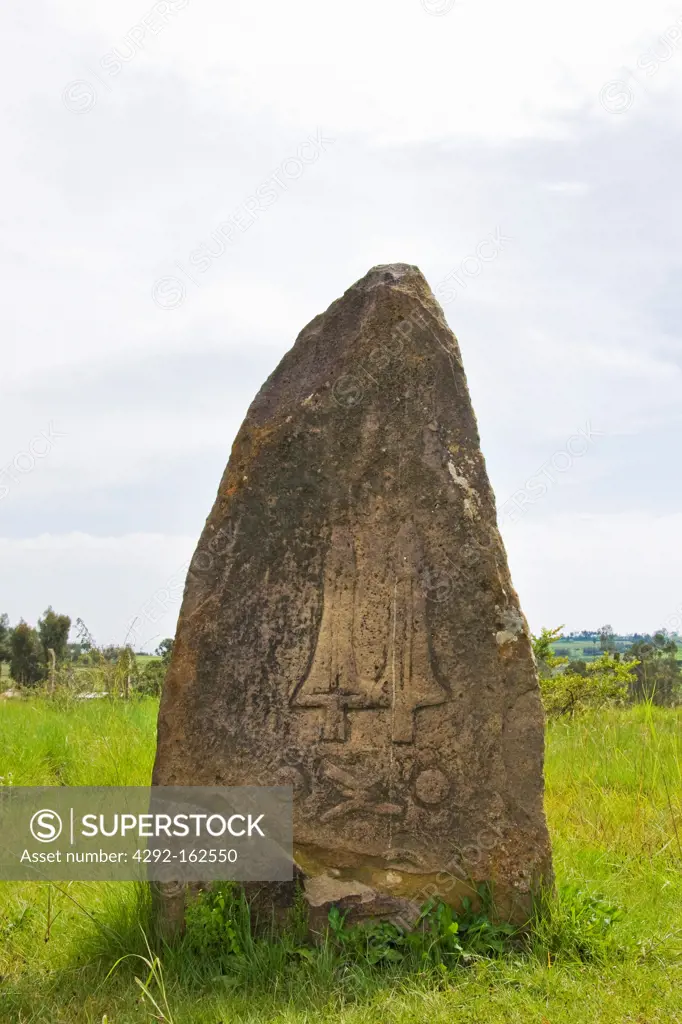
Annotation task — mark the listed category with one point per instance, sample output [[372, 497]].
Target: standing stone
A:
[[349, 626]]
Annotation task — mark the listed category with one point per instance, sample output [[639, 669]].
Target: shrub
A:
[[606, 681], [569, 688]]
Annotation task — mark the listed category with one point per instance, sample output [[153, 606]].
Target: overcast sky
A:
[[186, 184]]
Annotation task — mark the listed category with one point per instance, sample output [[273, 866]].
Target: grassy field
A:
[[614, 790]]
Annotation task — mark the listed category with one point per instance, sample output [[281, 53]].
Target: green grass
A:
[[614, 781], [77, 743]]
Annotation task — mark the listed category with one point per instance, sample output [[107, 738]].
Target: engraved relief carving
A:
[[412, 684], [358, 795], [333, 682], [407, 681]]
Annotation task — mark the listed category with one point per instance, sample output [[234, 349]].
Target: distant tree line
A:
[[604, 635], [44, 654], [648, 670]]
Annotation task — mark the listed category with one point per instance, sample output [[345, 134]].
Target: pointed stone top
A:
[[388, 273]]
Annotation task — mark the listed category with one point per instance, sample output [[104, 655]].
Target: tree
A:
[[54, 634], [85, 637], [4, 639], [27, 665], [607, 640], [657, 675], [547, 660], [165, 649]]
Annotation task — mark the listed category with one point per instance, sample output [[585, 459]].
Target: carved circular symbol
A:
[[431, 786]]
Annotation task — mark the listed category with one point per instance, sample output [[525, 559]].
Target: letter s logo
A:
[[46, 826]]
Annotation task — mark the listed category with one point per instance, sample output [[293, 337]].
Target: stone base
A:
[[358, 902]]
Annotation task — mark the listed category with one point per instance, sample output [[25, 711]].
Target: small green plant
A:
[[154, 987], [215, 920], [441, 936], [378, 942], [575, 925], [477, 934]]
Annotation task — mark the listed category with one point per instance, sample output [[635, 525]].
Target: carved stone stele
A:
[[349, 625]]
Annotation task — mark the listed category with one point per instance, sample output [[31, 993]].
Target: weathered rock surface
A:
[[349, 625]]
